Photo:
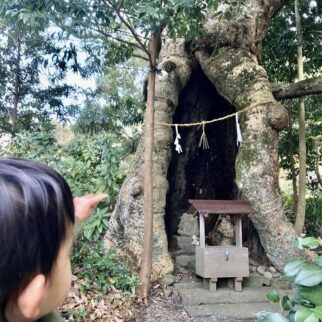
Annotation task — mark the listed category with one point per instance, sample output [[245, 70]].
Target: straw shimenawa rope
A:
[[216, 120]]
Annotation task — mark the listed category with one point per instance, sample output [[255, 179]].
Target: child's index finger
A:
[[98, 198]]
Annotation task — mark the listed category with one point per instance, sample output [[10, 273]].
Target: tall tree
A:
[[28, 99], [204, 76], [108, 19], [154, 18], [281, 64], [211, 77]]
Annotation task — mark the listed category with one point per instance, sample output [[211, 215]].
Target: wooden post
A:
[[238, 230], [213, 284], [238, 284], [202, 230]]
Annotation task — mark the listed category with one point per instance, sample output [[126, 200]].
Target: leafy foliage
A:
[[100, 268], [118, 101], [100, 21], [313, 220], [88, 164], [313, 134], [279, 54], [305, 305], [279, 59], [96, 225], [32, 67]]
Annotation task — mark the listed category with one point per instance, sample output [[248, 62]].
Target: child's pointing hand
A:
[[85, 204]]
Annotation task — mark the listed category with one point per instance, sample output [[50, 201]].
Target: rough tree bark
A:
[[299, 89], [127, 220], [242, 81], [229, 56]]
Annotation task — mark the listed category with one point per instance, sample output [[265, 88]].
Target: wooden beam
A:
[[311, 86]]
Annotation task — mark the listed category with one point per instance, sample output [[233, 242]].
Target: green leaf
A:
[[302, 314], [271, 317], [318, 260], [309, 275], [312, 318], [273, 296], [293, 267], [307, 243], [312, 294], [318, 312]]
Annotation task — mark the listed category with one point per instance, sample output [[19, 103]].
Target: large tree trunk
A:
[[127, 221], [225, 66], [241, 80]]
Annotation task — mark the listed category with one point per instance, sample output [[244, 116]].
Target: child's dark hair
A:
[[36, 206]]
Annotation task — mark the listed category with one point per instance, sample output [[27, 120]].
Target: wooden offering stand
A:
[[229, 261]]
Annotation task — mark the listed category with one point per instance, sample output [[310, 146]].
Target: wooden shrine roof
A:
[[216, 207]]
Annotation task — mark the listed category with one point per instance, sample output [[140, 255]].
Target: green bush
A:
[[96, 224], [90, 164], [305, 304], [102, 269], [313, 213]]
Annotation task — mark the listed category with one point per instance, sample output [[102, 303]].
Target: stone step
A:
[[258, 281], [197, 296], [188, 285], [243, 311]]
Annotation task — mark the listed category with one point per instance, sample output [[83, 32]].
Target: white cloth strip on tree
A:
[[203, 140], [239, 136], [176, 141]]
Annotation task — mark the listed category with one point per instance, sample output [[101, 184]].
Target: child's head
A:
[[36, 220]]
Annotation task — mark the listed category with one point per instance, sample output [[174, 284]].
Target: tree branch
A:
[[276, 6], [121, 31], [140, 54], [145, 58], [109, 35], [306, 87], [6, 129], [130, 27]]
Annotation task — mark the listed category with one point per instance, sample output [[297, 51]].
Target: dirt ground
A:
[[116, 306]]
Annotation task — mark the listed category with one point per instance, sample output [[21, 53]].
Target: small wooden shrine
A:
[[229, 261]]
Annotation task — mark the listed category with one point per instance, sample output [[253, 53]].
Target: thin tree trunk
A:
[[14, 117], [300, 213], [317, 163], [292, 162], [146, 264]]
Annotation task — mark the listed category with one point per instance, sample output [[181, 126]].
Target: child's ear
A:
[[30, 298]]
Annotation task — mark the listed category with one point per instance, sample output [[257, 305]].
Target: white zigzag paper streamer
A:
[[239, 136], [176, 141]]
